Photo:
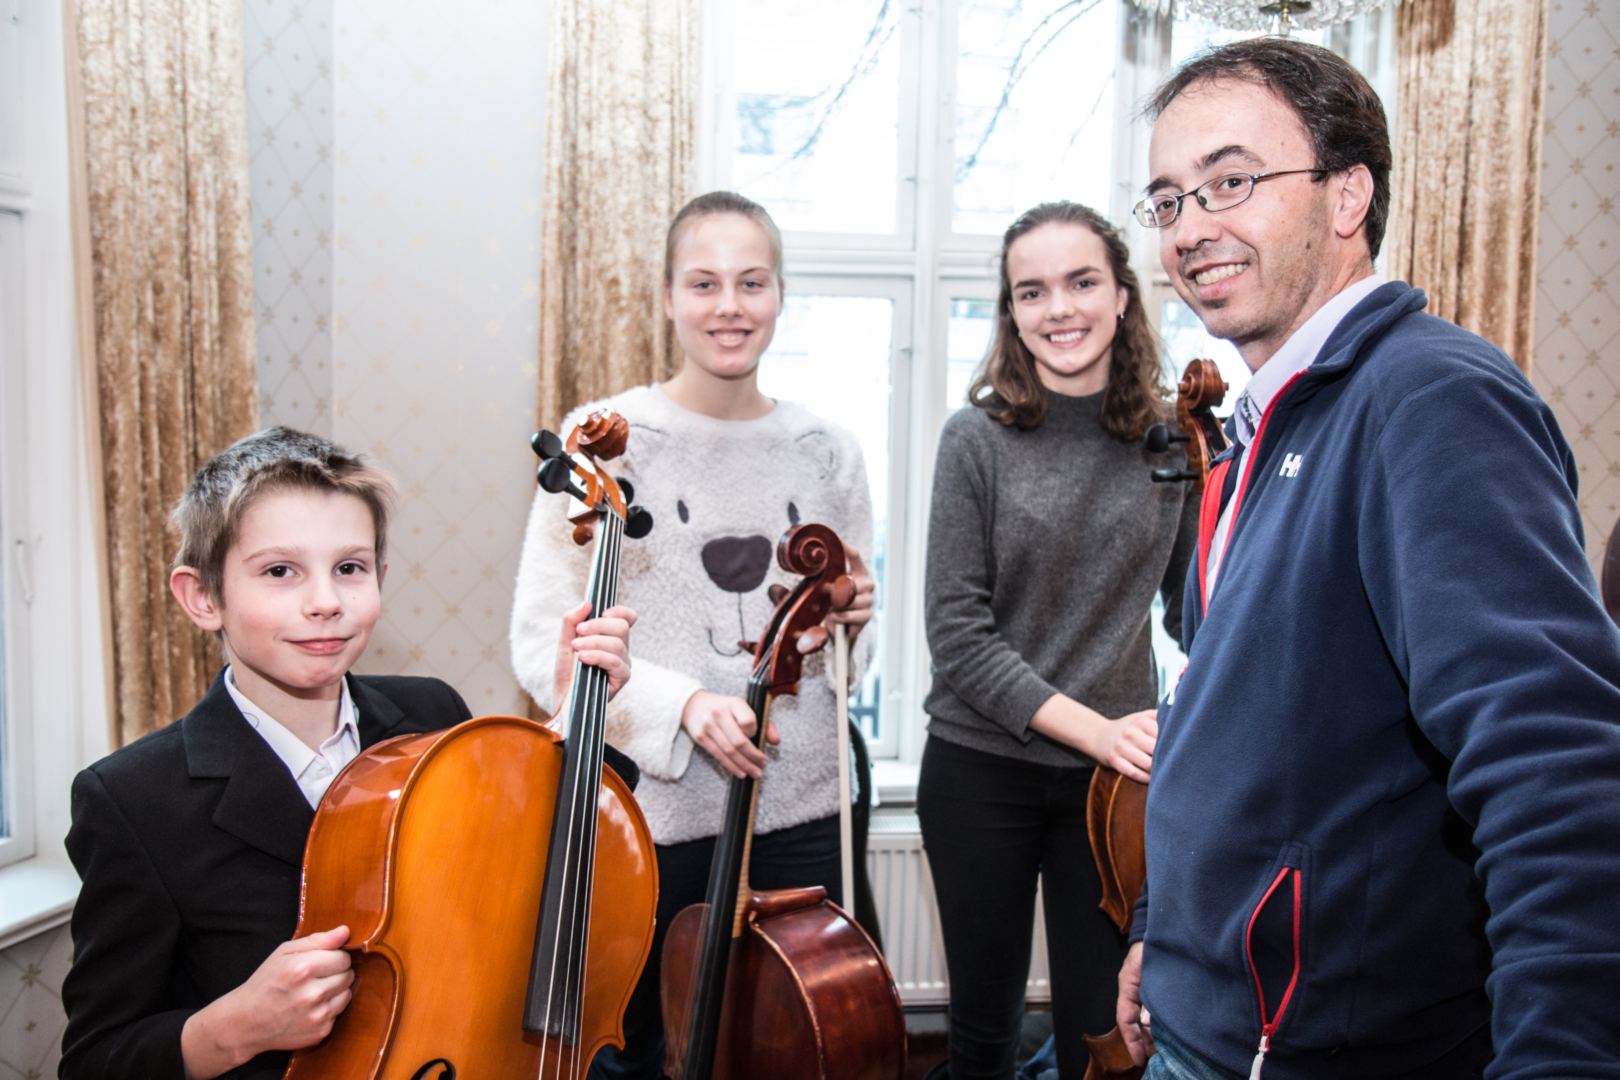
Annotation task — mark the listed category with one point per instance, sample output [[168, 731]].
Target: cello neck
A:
[[727, 898], [556, 973]]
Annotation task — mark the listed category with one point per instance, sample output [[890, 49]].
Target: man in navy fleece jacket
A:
[[1383, 832]]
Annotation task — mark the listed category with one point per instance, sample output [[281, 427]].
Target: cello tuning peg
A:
[[1172, 476], [749, 647], [777, 593], [841, 593], [812, 639], [547, 445], [1159, 438], [557, 477], [626, 489], [637, 521]]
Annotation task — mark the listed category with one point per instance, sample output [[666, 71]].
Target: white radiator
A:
[[904, 892]]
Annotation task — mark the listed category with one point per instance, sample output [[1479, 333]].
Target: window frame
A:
[[936, 261], [51, 540]]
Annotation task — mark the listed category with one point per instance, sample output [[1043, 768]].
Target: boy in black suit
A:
[[190, 841]]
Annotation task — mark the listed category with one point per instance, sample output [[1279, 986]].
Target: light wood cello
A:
[[1116, 806], [780, 984], [498, 883]]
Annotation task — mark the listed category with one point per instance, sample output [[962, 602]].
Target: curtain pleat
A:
[[1467, 186], [621, 120], [166, 154]]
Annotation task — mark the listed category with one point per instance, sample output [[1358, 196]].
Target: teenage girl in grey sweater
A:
[[1047, 541]]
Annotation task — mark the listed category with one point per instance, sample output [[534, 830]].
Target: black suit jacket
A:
[[190, 843]]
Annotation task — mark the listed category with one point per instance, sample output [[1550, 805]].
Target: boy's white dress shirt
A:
[[313, 770]]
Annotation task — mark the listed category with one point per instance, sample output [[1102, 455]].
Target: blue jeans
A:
[[1175, 1062]]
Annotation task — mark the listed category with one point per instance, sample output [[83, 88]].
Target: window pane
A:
[[1185, 340], [1035, 107], [818, 100], [967, 339], [832, 355]]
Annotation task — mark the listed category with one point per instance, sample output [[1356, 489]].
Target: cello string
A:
[[601, 691], [597, 705], [589, 731]]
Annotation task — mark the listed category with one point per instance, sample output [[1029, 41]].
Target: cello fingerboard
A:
[[556, 974]]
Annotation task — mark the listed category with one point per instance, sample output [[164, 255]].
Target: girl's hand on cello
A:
[[602, 642], [724, 727], [859, 613]]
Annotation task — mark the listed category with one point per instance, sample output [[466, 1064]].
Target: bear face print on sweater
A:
[[721, 494]]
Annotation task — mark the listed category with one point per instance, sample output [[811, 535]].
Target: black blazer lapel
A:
[[261, 804], [378, 715]]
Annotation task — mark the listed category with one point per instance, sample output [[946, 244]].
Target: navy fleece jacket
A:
[[1405, 689]]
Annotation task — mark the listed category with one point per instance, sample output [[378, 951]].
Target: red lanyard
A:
[[1209, 510]]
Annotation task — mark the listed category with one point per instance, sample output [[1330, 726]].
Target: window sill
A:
[[896, 782], [35, 896]]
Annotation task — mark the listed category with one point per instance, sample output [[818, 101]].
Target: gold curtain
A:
[[621, 119], [165, 121], [1467, 187]]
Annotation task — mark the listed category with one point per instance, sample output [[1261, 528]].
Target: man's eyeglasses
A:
[[1221, 193]]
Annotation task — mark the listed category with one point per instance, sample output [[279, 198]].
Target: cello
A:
[[1116, 806], [480, 950], [781, 983]]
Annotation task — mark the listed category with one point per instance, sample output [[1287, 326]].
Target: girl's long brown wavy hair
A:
[[1007, 386]]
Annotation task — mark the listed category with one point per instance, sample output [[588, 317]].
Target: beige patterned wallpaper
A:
[[1577, 362], [31, 1017], [438, 138], [396, 182], [289, 82]]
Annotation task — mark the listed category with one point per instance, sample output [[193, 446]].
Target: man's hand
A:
[[859, 613], [725, 726], [1134, 1022], [602, 642], [289, 1003]]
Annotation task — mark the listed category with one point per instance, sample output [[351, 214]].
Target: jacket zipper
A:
[[1268, 1028]]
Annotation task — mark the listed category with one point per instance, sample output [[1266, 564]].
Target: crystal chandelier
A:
[[1268, 16]]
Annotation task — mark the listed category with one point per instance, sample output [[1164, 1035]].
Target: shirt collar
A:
[[289, 747], [1296, 354]]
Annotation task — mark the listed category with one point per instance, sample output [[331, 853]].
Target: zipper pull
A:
[[1254, 1070]]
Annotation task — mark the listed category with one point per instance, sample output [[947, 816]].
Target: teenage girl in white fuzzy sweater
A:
[[725, 471]]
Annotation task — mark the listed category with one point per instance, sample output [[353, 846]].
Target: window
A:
[[893, 143]]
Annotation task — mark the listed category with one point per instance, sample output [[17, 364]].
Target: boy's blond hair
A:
[[209, 514]]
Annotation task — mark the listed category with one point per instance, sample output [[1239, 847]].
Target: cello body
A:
[[821, 1003], [779, 983], [1116, 806], [460, 818]]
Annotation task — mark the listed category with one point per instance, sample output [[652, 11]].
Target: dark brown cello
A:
[[480, 949], [779, 984], [1116, 806]]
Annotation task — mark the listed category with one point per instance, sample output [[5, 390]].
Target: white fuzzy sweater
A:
[[721, 494]]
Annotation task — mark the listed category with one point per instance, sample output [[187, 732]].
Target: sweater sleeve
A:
[[969, 654], [644, 718], [1475, 567], [122, 1017]]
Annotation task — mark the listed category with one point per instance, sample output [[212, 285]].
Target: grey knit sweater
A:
[[1045, 548]]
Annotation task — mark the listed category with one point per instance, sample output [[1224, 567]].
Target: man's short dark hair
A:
[[1340, 111]]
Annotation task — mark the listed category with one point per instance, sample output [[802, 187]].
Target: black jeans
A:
[[791, 858], [991, 825]]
